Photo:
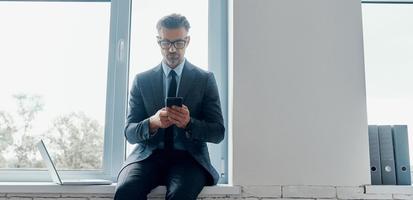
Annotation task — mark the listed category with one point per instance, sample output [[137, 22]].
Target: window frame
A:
[[117, 91], [218, 63]]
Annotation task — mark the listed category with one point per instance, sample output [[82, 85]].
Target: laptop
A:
[[55, 175]]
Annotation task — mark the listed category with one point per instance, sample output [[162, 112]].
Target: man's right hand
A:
[[159, 120]]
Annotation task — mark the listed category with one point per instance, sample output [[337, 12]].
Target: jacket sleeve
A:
[[137, 122], [211, 127]]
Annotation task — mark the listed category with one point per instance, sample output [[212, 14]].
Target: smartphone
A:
[[174, 101]]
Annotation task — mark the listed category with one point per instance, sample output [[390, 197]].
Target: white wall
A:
[[299, 112]]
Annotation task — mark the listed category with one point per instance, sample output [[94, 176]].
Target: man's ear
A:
[[188, 39]]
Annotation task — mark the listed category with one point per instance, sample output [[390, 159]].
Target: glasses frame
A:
[[185, 40]]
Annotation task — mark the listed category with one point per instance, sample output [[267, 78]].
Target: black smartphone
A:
[[174, 101]]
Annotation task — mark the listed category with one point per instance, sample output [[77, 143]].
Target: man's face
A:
[[173, 43]]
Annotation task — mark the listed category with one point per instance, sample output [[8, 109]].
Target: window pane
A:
[[388, 44], [53, 72], [145, 52]]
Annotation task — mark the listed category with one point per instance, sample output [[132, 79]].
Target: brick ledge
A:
[[388, 189], [43, 187]]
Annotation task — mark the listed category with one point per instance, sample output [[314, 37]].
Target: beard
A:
[[173, 59]]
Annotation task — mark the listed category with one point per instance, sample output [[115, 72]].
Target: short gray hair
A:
[[173, 21]]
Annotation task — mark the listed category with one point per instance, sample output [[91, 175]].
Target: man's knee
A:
[[129, 190], [183, 193]]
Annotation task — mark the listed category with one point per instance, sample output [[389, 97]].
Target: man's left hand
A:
[[179, 115]]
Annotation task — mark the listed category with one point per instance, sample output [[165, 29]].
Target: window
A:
[[145, 53], [388, 44], [64, 77], [53, 79]]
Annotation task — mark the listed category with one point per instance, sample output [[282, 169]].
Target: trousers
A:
[[182, 175]]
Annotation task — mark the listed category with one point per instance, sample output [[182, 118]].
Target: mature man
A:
[[171, 148]]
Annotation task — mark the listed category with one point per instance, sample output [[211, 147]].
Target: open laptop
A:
[[55, 175]]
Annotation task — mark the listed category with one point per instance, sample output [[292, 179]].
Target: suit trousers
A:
[[182, 175]]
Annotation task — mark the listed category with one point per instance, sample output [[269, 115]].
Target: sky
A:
[[57, 51]]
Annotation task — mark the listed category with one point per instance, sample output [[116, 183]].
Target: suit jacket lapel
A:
[[157, 88], [186, 80]]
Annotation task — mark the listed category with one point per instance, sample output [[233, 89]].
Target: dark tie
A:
[[169, 134]]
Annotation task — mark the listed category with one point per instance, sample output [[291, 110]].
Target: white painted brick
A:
[[286, 199], [358, 193], [32, 195], [369, 196], [206, 194], [19, 198], [108, 196], [350, 190], [402, 196], [233, 197], [228, 198], [212, 196], [89, 195], [59, 198], [76, 195], [47, 198], [203, 197], [73, 198], [97, 198], [309, 191], [261, 191], [389, 189]]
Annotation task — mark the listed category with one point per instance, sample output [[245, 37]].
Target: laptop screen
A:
[[48, 161]]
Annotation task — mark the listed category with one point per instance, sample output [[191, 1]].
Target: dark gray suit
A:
[[200, 94]]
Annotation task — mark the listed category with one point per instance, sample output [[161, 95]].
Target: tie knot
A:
[[172, 73]]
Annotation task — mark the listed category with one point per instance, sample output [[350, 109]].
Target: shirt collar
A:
[[178, 69]]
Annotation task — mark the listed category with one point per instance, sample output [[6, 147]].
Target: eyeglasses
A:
[[166, 44]]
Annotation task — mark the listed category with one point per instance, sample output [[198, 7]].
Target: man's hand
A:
[[159, 120], [178, 115]]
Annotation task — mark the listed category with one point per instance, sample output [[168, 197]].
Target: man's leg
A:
[[185, 178], [138, 179]]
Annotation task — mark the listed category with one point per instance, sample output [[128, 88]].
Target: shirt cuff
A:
[[188, 129], [147, 131]]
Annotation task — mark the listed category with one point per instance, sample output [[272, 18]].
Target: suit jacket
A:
[[200, 94]]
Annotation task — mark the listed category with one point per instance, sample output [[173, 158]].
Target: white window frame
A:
[[117, 92], [218, 64]]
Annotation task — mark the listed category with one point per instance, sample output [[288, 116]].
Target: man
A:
[[171, 142]]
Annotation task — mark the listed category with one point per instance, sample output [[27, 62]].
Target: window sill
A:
[[43, 187], [389, 189]]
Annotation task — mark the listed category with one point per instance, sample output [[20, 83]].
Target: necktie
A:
[[171, 93]]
